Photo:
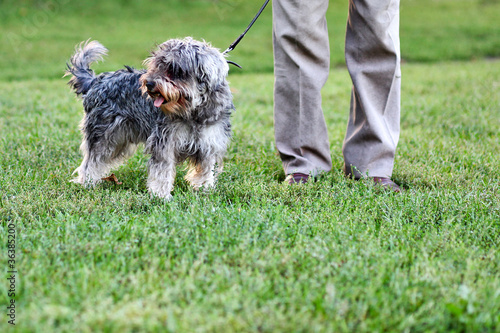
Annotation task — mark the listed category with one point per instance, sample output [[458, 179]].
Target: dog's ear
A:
[[213, 67]]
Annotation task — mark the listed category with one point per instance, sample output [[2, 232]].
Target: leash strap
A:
[[233, 45]]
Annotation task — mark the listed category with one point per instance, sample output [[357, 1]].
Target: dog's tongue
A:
[[159, 101]]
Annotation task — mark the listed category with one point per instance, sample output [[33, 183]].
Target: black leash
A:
[[236, 42]]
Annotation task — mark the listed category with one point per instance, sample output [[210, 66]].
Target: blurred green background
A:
[[38, 36]]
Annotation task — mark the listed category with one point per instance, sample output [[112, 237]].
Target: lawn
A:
[[253, 255]]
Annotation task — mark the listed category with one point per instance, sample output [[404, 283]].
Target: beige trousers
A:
[[301, 65]]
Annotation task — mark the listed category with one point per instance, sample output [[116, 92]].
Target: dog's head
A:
[[182, 74]]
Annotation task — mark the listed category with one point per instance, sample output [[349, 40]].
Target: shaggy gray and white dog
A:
[[179, 107]]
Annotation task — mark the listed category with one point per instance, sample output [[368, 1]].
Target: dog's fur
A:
[[179, 107]]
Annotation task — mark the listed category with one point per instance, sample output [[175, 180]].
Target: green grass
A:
[[254, 255]]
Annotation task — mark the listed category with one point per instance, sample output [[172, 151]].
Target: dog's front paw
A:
[[160, 191], [202, 185], [166, 197], [209, 185]]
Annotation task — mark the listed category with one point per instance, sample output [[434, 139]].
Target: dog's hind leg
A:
[[102, 152], [94, 167]]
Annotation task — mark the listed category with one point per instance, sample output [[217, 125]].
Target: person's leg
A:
[[301, 66], [373, 60]]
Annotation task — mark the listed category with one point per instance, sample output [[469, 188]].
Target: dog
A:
[[179, 106]]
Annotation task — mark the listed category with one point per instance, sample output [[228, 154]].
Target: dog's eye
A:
[[175, 72]]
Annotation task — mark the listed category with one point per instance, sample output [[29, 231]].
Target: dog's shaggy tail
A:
[[79, 66]]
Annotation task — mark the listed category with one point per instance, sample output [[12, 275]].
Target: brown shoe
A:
[[387, 184], [297, 178]]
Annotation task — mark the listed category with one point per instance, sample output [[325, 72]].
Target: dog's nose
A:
[[150, 85]]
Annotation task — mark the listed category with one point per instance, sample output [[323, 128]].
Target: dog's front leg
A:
[[204, 173], [161, 174]]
